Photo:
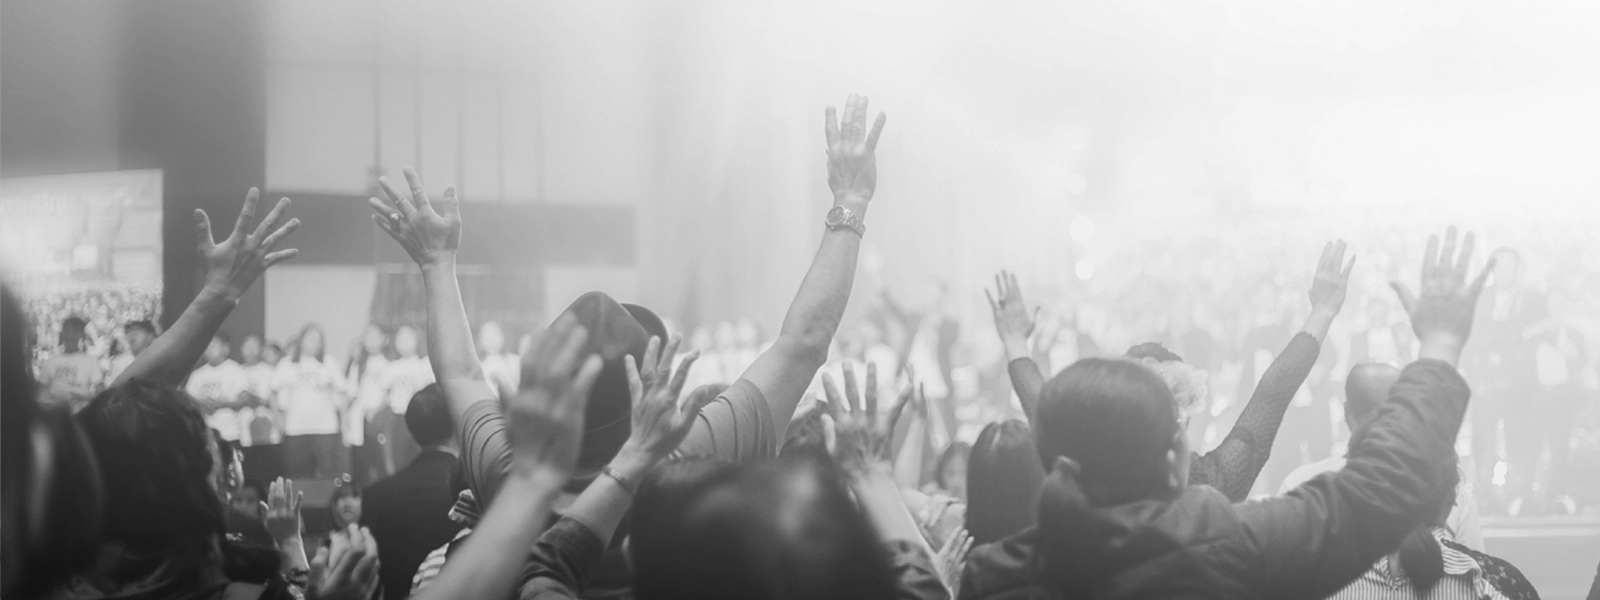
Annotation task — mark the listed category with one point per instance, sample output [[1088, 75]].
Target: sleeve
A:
[[1316, 539], [736, 426], [561, 562], [1028, 381], [915, 577], [1594, 589], [485, 449], [1233, 466]]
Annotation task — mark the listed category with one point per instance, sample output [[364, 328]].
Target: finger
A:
[[578, 397], [247, 213], [899, 407], [266, 511], [319, 561], [830, 126], [857, 119], [966, 547], [299, 497], [698, 399], [1408, 301], [635, 386], [1447, 254], [836, 405], [279, 256], [1478, 283], [1322, 259], [1000, 288], [669, 353], [992, 306], [554, 337], [419, 195], [1348, 267], [651, 358], [451, 204], [401, 201], [380, 207], [1468, 245], [1430, 256], [872, 390], [567, 360], [202, 226], [277, 236], [682, 376], [877, 130], [271, 221], [851, 393]]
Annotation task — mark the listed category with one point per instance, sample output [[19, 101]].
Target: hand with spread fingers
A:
[[863, 437], [1442, 314], [852, 151], [660, 420], [1329, 285], [347, 569], [1012, 319], [544, 419], [952, 558], [235, 264], [281, 511], [429, 231]]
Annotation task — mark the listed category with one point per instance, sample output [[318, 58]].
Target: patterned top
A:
[[1468, 575]]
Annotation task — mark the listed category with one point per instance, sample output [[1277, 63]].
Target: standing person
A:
[[406, 375], [500, 366], [364, 375], [1506, 372], [221, 388], [138, 334], [72, 376], [311, 394], [1546, 418], [409, 512], [263, 446]]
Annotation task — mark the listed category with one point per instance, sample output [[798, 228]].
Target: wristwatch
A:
[[843, 218]]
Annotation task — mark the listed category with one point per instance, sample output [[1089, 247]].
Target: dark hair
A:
[[1003, 481], [52, 500], [72, 334], [1103, 427], [140, 325], [256, 486], [957, 449], [299, 342], [784, 529], [668, 483], [1154, 351], [224, 338], [428, 417], [1421, 558]]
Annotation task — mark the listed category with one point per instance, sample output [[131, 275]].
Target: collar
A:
[[1457, 564]]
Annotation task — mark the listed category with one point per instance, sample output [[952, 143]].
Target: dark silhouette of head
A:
[[139, 334], [1108, 431], [51, 484], [1365, 389], [74, 335], [428, 417], [1153, 351], [1003, 481], [784, 529]]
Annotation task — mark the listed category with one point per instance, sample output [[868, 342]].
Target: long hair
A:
[[300, 341], [1421, 557], [783, 529], [1104, 427], [1003, 481]]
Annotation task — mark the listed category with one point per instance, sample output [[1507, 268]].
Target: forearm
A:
[[879, 499], [1318, 322], [908, 460], [814, 315], [1028, 383], [450, 348], [603, 504], [173, 355], [1257, 427], [293, 551], [489, 564]]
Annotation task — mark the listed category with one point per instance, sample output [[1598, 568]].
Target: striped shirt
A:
[[466, 514], [1463, 579]]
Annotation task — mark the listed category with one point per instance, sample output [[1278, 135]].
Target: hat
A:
[[615, 330]]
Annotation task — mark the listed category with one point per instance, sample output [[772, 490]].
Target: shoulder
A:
[[1000, 567]]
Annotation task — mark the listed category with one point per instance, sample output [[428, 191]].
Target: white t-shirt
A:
[[404, 378], [119, 363], [220, 384], [71, 379], [310, 394], [369, 395], [261, 382]]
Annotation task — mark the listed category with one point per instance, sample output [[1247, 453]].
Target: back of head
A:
[[785, 529], [1153, 351], [1365, 389], [428, 417], [1003, 481], [51, 486], [153, 447], [1104, 427], [1421, 557], [73, 331]]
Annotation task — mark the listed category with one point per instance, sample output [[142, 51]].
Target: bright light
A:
[[1081, 229], [1084, 269]]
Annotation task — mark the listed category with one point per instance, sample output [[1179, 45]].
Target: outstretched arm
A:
[[1015, 323], [431, 233], [1233, 466], [232, 266], [785, 370]]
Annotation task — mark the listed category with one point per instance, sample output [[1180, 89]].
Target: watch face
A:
[[836, 216]]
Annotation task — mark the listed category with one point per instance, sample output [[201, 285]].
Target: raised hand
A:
[[1011, 315], [235, 264], [1329, 285], [660, 421], [544, 419], [281, 511], [347, 569], [1442, 315], [862, 437], [429, 232], [852, 162], [952, 558]]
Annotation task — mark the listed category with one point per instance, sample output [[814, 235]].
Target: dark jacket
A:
[[1306, 544], [409, 515]]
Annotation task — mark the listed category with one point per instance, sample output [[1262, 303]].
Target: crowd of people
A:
[[609, 458]]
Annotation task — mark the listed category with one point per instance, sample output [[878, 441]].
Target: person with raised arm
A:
[[1233, 465], [232, 266]]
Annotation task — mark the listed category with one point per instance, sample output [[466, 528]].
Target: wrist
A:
[[441, 260], [1441, 346], [855, 202], [1319, 321], [534, 486], [219, 294], [1016, 346], [633, 461]]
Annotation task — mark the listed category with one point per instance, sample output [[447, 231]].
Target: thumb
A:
[[1408, 301]]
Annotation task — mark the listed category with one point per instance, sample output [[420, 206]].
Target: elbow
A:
[[809, 349]]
